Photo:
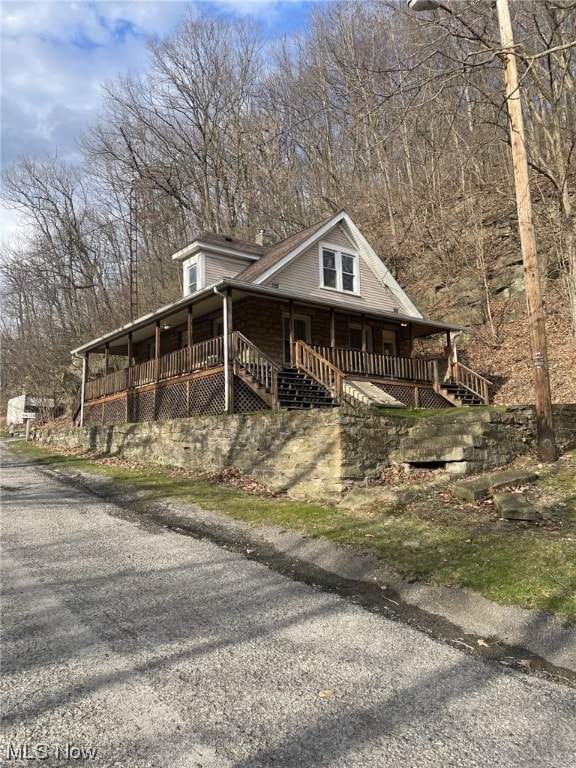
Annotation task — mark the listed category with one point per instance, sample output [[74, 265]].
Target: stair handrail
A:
[[262, 367], [471, 381], [320, 369]]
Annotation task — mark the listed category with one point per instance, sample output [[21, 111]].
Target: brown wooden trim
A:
[[106, 399], [159, 385]]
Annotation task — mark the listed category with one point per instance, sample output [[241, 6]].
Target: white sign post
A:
[[27, 418]]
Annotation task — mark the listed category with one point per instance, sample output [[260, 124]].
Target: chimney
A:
[[263, 238]]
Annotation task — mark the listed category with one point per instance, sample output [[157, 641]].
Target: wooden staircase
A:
[[297, 391], [460, 396], [464, 387]]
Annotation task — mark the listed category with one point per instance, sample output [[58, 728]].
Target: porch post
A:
[[107, 359], [230, 354], [189, 328], [83, 386], [332, 328], [291, 321], [189, 332], [449, 353], [129, 354], [364, 350], [157, 350]]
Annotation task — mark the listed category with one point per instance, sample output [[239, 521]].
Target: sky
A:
[[56, 54]]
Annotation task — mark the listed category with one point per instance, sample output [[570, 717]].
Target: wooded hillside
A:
[[399, 118]]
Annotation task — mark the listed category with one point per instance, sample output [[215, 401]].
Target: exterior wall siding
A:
[[217, 266], [304, 274], [261, 321]]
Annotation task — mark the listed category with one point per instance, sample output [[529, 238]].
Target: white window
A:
[[338, 269], [192, 278], [194, 274]]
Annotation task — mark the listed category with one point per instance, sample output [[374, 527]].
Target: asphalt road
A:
[[131, 646]]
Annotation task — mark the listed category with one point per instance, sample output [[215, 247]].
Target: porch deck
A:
[[236, 363]]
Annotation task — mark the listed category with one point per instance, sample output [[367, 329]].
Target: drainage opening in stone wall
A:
[[430, 465]]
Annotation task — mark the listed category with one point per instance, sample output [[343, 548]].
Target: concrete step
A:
[[366, 393], [481, 487]]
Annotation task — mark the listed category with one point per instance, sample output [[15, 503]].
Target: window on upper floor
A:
[[192, 277], [194, 274], [339, 270]]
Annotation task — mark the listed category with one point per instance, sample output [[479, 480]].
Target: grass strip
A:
[[519, 566]]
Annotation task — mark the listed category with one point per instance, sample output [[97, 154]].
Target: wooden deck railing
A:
[[472, 381], [199, 357], [261, 367], [321, 369], [371, 364], [325, 364]]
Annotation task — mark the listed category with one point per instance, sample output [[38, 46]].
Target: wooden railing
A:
[[260, 367], [107, 385], [316, 365], [472, 381], [199, 357], [371, 364]]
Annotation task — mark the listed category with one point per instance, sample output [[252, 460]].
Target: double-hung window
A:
[[192, 277], [339, 270]]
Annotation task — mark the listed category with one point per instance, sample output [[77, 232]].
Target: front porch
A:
[[230, 374]]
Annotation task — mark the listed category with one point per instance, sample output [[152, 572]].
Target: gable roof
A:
[[279, 251], [281, 254]]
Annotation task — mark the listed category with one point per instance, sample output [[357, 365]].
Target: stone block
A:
[[515, 506], [481, 487]]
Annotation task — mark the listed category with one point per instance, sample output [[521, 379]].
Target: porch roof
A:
[[210, 297]]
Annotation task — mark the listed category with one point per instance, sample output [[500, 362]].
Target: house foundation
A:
[[319, 454]]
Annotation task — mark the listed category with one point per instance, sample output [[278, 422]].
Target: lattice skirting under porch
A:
[[197, 397], [415, 397]]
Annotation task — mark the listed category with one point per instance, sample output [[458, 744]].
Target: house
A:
[[315, 320], [25, 406]]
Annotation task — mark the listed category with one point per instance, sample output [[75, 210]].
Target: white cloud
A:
[[56, 54], [55, 57]]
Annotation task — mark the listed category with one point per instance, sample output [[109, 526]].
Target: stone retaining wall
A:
[[312, 454]]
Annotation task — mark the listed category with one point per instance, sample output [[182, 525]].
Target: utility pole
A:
[[536, 323], [544, 418]]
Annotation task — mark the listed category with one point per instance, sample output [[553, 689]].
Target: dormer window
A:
[[338, 269], [192, 286], [194, 278]]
